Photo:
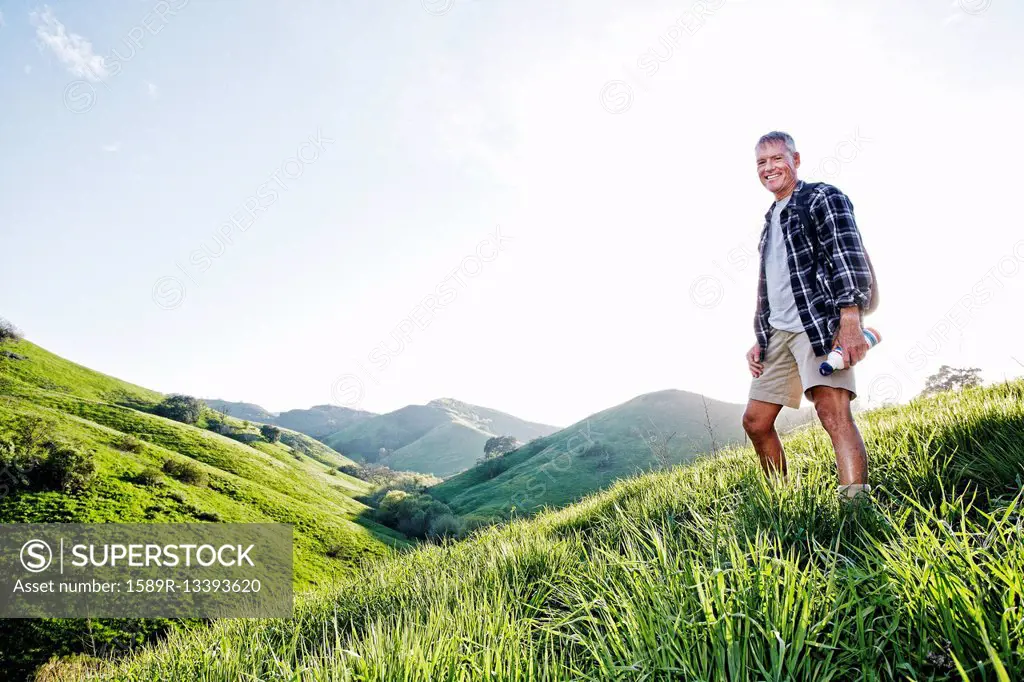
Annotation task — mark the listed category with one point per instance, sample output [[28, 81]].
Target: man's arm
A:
[[850, 276]]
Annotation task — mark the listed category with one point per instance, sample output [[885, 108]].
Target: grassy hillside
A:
[[650, 430], [318, 421], [701, 572], [294, 481], [258, 481], [443, 437]]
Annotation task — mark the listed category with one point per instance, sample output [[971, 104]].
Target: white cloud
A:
[[74, 51], [113, 147], [28, 69], [152, 90], [2, 22]]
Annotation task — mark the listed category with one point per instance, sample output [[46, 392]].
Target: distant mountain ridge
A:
[[651, 430], [443, 437], [317, 421]]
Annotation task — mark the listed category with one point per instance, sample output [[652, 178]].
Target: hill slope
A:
[[296, 481], [285, 482], [652, 429], [700, 572], [317, 421], [443, 437]]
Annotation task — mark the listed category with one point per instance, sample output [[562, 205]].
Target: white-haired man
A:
[[815, 281]]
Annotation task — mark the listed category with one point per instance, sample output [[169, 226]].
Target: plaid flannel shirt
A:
[[843, 277]]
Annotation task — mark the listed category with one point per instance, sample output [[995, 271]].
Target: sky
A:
[[546, 208]]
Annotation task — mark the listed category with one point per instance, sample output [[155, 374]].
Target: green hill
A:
[[317, 421], [443, 437], [654, 429], [286, 482], [293, 481], [701, 572]]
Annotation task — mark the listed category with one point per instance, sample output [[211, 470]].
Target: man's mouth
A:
[[772, 176]]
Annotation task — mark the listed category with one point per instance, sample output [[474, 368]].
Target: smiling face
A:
[[776, 166]]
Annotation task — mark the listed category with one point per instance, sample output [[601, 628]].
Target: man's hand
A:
[[851, 336], [754, 361]]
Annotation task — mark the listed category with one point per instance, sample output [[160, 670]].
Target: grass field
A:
[[701, 572]]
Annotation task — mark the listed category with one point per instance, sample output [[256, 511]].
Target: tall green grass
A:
[[702, 572]]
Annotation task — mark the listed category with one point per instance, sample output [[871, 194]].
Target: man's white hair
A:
[[777, 136]]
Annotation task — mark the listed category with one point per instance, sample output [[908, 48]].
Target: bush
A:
[[150, 476], [500, 445], [185, 471], [49, 465], [129, 443], [181, 408], [446, 526], [353, 470], [8, 332], [68, 469], [410, 513], [493, 466], [218, 424], [271, 433], [243, 437], [296, 443]]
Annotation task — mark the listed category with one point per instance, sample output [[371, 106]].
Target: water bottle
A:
[[834, 361]]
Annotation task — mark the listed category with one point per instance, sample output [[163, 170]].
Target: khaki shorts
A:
[[791, 369]]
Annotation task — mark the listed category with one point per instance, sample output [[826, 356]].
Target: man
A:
[[810, 298]]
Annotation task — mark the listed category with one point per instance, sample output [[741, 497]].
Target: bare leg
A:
[[759, 423], [833, 408]]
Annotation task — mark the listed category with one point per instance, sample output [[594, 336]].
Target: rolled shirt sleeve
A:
[[842, 245]]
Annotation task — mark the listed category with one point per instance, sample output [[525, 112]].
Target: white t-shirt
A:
[[782, 311]]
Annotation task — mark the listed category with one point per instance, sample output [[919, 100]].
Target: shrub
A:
[[210, 516], [182, 408], [446, 526], [500, 445], [410, 513], [296, 443], [332, 472], [68, 469], [243, 437], [129, 443], [15, 467], [353, 470], [8, 332], [26, 463], [150, 476], [218, 424], [271, 433], [493, 466], [185, 471]]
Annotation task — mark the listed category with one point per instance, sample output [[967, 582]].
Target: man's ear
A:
[[796, 159]]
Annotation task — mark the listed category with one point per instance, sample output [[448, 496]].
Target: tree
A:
[[499, 445], [182, 408], [271, 433], [951, 379], [8, 332]]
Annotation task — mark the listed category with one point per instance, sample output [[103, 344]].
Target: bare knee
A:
[[757, 425], [835, 415]]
